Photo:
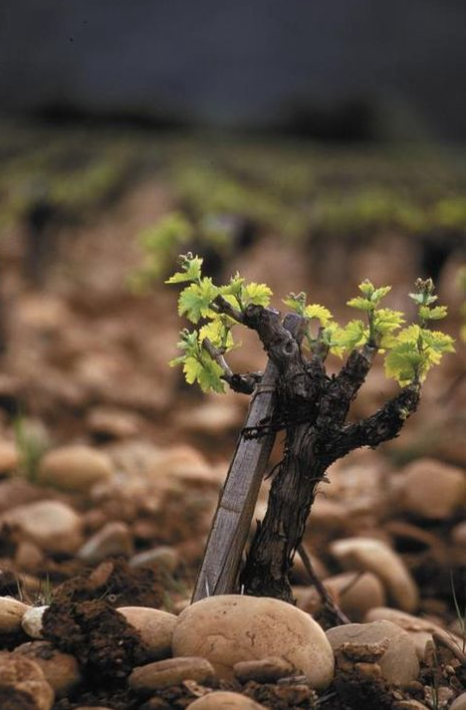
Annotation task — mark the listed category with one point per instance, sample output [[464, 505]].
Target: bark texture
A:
[[312, 409]]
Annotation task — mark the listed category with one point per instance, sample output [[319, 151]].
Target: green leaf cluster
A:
[[415, 352], [198, 365], [410, 351], [197, 303]]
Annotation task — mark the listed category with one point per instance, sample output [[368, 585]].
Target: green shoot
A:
[[410, 351], [31, 447]]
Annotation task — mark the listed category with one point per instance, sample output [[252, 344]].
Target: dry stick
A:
[[331, 607], [232, 520], [443, 639]]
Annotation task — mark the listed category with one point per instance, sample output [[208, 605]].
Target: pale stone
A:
[[369, 555], [225, 700], [458, 535], [9, 457], [49, 523], [212, 418], [112, 423], [186, 466], [227, 629], [113, 540], [61, 670], [29, 557], [162, 557], [75, 468], [163, 674], [458, 704], [22, 684], [308, 599], [265, 670], [432, 489], [420, 630], [399, 663], [32, 621], [17, 491], [356, 593], [155, 628], [11, 614]]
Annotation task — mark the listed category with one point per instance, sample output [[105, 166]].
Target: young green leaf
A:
[[364, 304], [259, 294], [436, 313], [322, 314], [195, 300], [297, 302], [192, 266], [219, 334], [404, 363], [353, 335]]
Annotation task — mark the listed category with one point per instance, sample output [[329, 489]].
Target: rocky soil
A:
[[110, 472]]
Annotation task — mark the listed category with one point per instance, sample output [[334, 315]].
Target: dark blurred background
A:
[[328, 69]]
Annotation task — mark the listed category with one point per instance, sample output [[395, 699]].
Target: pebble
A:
[[75, 468], [356, 593], [17, 491], [211, 418], [9, 457], [163, 674], [29, 557], [163, 557], [155, 628], [32, 621], [399, 663], [49, 523], [432, 490], [458, 535], [113, 540], [61, 670], [23, 685], [420, 630], [370, 555], [225, 700], [264, 670], [112, 423], [459, 703], [11, 614], [185, 465], [227, 629]]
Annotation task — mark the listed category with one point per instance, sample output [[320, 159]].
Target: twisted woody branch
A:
[[312, 408]]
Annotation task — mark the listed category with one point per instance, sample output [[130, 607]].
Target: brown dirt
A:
[[106, 646], [115, 582]]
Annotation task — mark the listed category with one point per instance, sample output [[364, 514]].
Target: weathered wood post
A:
[[232, 520]]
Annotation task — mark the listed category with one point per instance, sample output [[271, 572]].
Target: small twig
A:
[[225, 307], [451, 645], [330, 605], [242, 383]]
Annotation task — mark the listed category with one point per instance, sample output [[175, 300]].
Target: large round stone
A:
[[155, 628], [52, 525], [11, 614], [227, 629], [366, 554], [225, 700], [399, 662], [75, 468], [432, 489], [23, 685]]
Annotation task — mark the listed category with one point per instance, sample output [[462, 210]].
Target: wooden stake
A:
[[232, 521]]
